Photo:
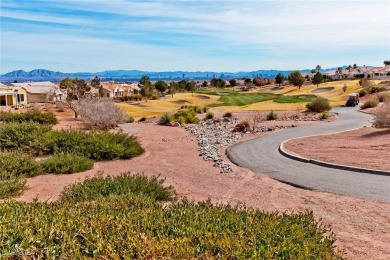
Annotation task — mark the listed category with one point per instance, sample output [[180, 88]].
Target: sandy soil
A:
[[362, 227], [366, 147]]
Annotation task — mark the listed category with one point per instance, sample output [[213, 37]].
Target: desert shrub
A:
[[124, 184], [189, 116], [100, 113], [16, 164], [124, 218], [365, 83], [382, 116], [383, 97], [66, 163], [362, 93], [33, 116], [155, 96], [130, 119], [246, 124], [272, 116], [60, 106], [323, 116], [209, 115], [11, 187], [27, 136], [228, 114], [96, 145], [377, 89], [181, 120], [373, 102], [165, 119], [319, 105]]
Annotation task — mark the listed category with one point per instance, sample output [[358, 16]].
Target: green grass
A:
[[122, 218], [243, 99]]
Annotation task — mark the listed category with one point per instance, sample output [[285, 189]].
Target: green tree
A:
[[191, 87], [349, 67], [296, 79], [146, 87], [95, 83], [233, 82], [218, 83], [318, 78], [355, 66], [313, 71], [386, 62], [161, 86], [183, 84], [318, 68], [247, 81], [173, 87], [279, 78], [204, 84], [75, 91]]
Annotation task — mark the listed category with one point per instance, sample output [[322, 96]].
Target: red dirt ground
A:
[[362, 227]]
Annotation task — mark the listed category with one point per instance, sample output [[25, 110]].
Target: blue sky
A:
[[220, 35]]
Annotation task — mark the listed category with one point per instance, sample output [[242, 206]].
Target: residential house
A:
[[112, 89], [41, 92], [12, 97], [130, 89]]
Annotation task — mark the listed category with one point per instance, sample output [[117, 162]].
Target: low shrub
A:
[[210, 115], [383, 97], [16, 164], [26, 136], [246, 124], [377, 89], [124, 218], [362, 93], [66, 163], [319, 105], [323, 116], [124, 184], [29, 116], [165, 119], [12, 187], [95, 145], [373, 102], [272, 116], [382, 116], [142, 119], [189, 116], [228, 114], [155, 96], [130, 119]]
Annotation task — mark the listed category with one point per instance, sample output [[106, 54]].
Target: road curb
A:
[[284, 152]]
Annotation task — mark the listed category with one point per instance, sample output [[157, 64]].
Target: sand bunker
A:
[[180, 102], [320, 90], [202, 97], [307, 96]]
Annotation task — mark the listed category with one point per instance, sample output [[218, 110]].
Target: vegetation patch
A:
[[124, 218], [33, 116], [319, 105], [373, 102], [66, 163]]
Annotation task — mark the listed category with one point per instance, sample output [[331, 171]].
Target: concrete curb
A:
[[284, 152]]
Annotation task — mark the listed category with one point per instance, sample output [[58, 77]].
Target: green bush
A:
[[228, 114], [189, 116], [362, 93], [209, 115], [323, 116], [377, 89], [370, 103], [95, 145], [124, 184], [165, 119], [124, 218], [11, 187], [272, 116], [16, 164], [34, 116], [66, 163], [27, 136], [319, 105]]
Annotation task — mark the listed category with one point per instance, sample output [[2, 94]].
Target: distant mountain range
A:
[[135, 75]]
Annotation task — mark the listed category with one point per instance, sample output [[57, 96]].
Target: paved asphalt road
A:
[[261, 155]]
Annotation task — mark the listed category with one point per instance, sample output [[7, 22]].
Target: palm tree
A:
[[349, 67], [318, 67], [355, 66]]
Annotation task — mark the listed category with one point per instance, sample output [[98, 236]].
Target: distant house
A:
[[112, 90], [130, 89], [12, 97], [380, 73], [41, 92]]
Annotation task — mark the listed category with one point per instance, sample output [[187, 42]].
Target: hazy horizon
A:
[[221, 36]]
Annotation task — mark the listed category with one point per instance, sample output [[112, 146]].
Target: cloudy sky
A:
[[219, 35]]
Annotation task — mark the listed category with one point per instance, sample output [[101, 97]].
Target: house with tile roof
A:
[[41, 92]]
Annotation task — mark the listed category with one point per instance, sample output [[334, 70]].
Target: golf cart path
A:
[[262, 155]]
